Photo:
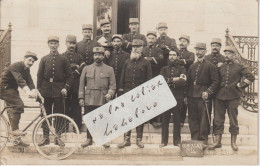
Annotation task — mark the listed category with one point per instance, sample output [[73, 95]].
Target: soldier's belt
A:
[[96, 88]]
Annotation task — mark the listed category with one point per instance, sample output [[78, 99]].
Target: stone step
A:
[[247, 140], [243, 129], [151, 149]]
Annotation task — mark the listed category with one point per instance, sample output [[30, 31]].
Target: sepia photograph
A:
[[129, 82]]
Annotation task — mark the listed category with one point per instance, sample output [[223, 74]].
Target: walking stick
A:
[[149, 133], [209, 119]]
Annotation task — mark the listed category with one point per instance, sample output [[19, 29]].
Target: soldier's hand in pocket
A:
[[81, 102]]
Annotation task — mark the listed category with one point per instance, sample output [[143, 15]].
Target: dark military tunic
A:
[[54, 74], [128, 38], [202, 77], [169, 72], [13, 76], [228, 96], [163, 42], [188, 56], [215, 58], [116, 60], [85, 48], [134, 73], [154, 55], [73, 109]]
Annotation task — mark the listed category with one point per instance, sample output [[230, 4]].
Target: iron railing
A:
[[247, 51], [5, 47]]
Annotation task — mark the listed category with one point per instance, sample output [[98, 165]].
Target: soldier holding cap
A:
[[133, 34], [164, 42], [105, 39], [186, 59], [54, 79], [85, 47], [17, 74], [203, 80], [215, 57], [76, 64], [117, 57], [175, 75], [136, 71], [97, 86], [228, 96]]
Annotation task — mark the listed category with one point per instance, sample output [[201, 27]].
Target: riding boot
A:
[[139, 143], [126, 141], [46, 140], [217, 143], [233, 142], [15, 119]]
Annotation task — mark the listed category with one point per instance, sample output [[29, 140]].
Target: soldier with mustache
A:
[[133, 34], [117, 57], [186, 59], [175, 75], [215, 57], [203, 80], [97, 86], [228, 96], [76, 61], [85, 47], [164, 42], [136, 71]]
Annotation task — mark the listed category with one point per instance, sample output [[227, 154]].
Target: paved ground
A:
[[33, 159]]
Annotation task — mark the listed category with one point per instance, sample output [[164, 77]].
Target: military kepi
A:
[[86, 26], [133, 20], [137, 42], [200, 46], [98, 50], [230, 49], [71, 38], [186, 37], [53, 38], [162, 25], [104, 21], [151, 33], [216, 41], [117, 36], [31, 54]]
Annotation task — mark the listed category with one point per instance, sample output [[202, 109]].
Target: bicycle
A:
[[60, 128]]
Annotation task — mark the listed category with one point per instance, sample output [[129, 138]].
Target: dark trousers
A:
[[198, 119], [183, 112], [176, 120], [88, 109], [73, 108], [139, 132], [52, 105], [12, 99], [221, 107]]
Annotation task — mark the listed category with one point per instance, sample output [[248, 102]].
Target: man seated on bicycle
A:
[[17, 74]]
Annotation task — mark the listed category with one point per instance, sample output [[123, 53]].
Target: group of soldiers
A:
[[92, 72]]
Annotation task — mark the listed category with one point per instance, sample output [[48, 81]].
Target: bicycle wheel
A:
[[63, 134], [4, 132]]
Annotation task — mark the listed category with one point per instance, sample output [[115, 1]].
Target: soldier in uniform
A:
[[76, 61], [136, 71], [85, 47], [215, 57], [203, 80], [54, 79], [134, 34], [164, 42], [186, 59], [97, 86], [17, 74], [117, 57], [228, 96], [175, 75], [154, 55]]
